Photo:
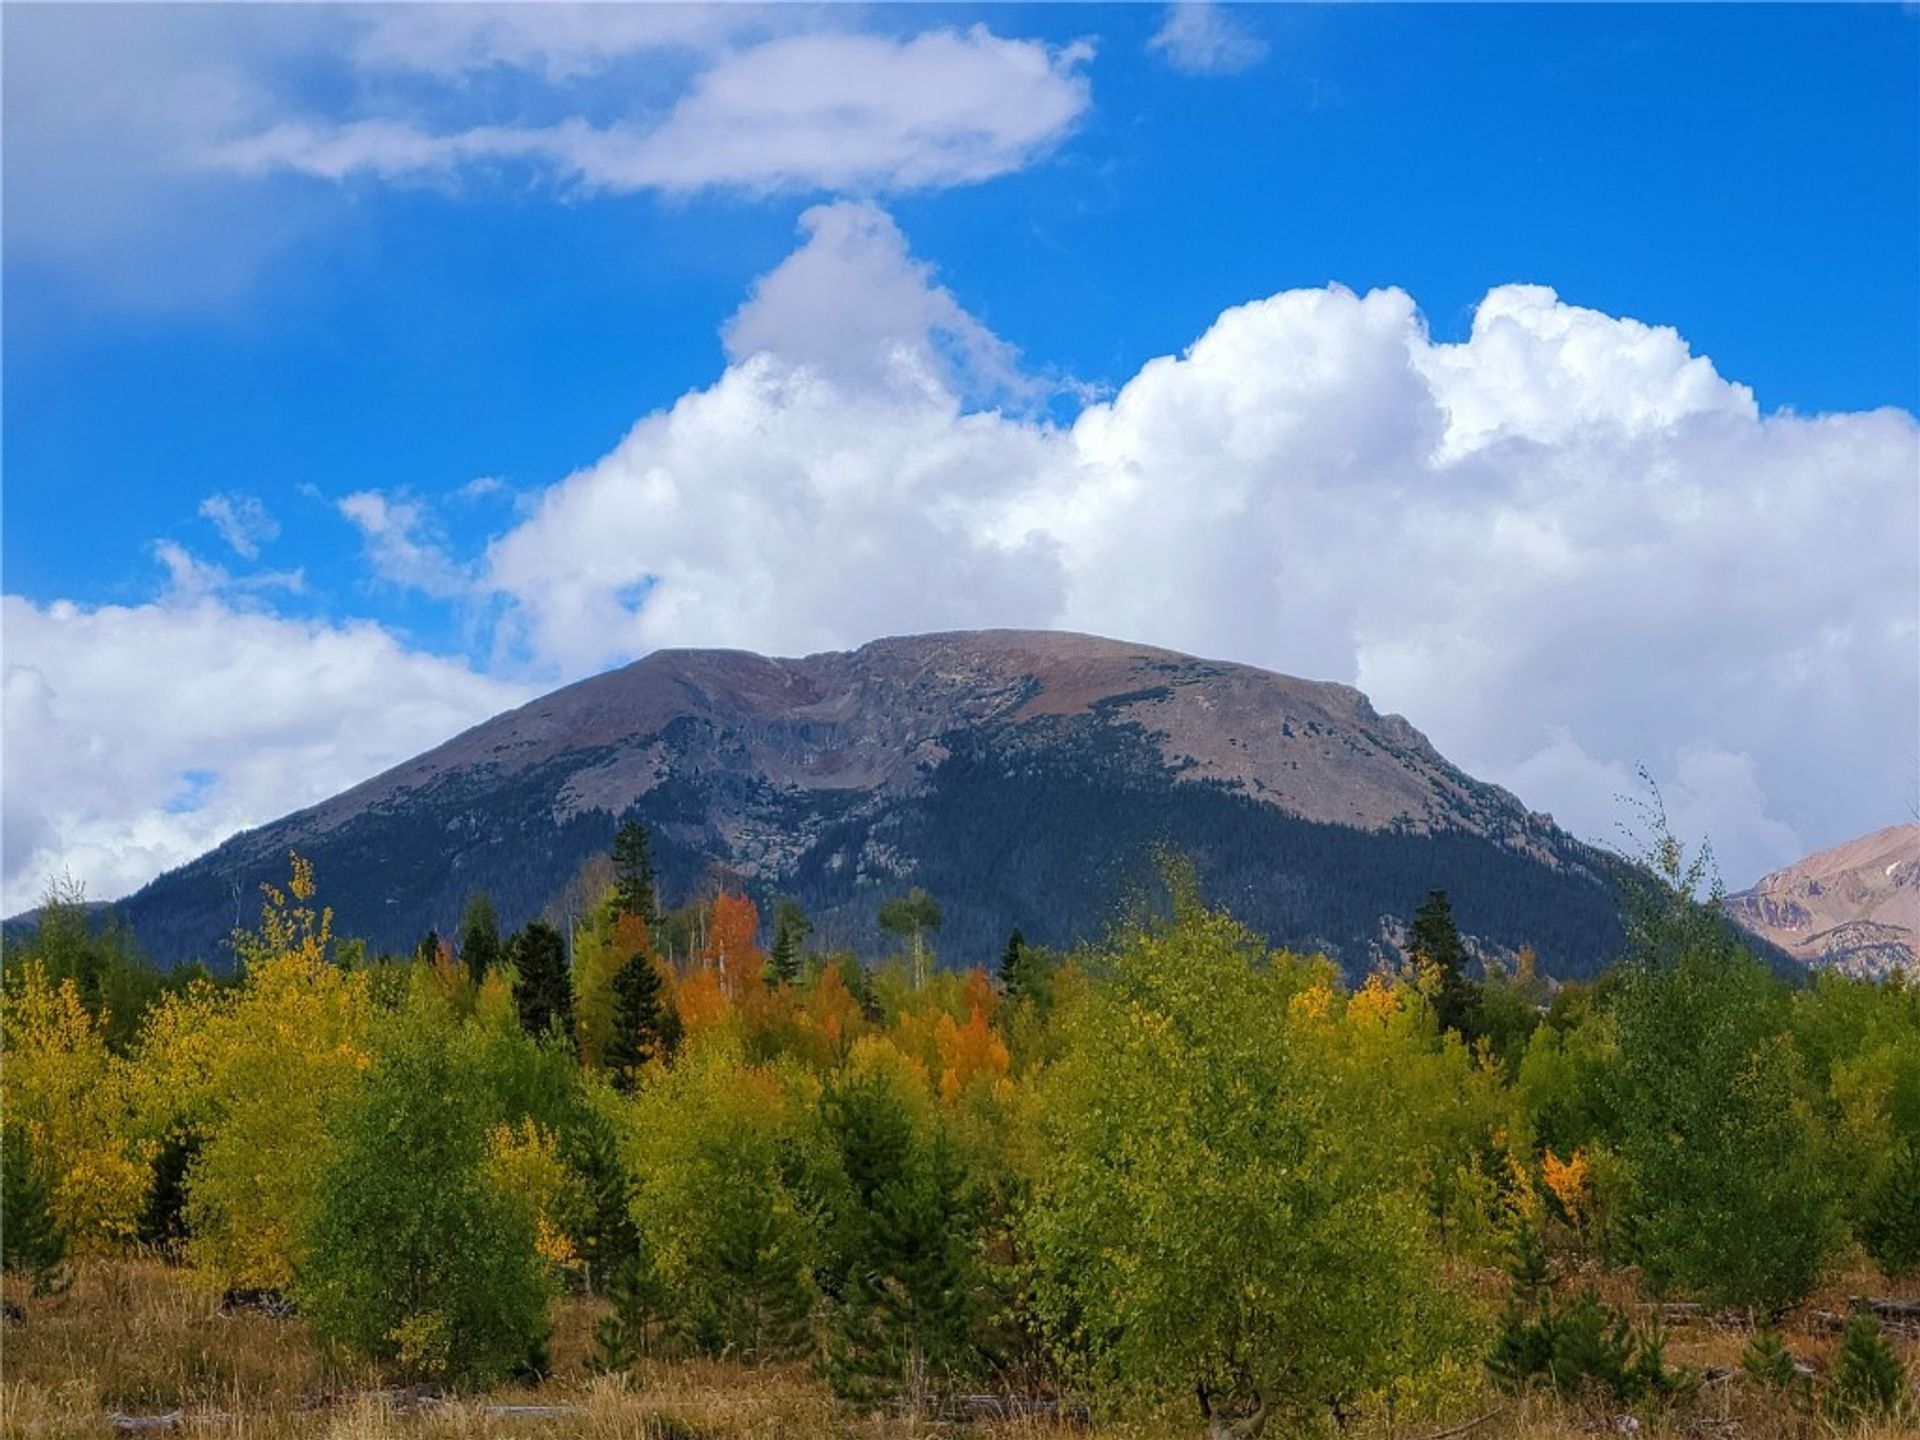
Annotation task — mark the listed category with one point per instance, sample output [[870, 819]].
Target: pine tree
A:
[[1868, 1379], [791, 927], [1434, 941], [479, 937], [620, 1338], [30, 1241], [908, 1290], [636, 890], [1012, 968], [1768, 1362], [645, 1025], [542, 987]]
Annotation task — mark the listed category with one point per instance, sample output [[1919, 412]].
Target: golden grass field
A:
[[141, 1339]]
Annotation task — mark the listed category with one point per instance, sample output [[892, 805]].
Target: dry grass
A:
[[140, 1338]]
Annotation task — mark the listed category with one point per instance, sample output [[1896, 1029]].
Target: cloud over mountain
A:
[[1564, 546], [1567, 545]]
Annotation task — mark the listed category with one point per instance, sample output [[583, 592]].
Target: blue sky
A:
[[311, 314]]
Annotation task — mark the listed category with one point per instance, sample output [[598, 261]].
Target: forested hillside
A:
[[1179, 1178]]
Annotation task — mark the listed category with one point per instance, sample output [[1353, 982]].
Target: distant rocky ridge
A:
[[1854, 908], [1025, 778]]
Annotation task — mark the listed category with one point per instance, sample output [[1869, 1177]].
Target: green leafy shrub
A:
[[1890, 1224], [411, 1257], [726, 1162]]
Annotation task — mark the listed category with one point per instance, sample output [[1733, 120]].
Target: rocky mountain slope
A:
[[1855, 907], [1025, 778]]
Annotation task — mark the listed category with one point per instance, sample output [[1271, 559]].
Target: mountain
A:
[[1855, 908], [1024, 778]]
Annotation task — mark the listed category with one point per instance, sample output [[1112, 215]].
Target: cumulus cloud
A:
[[243, 522], [1564, 546], [117, 770], [817, 111], [855, 307], [1198, 37]]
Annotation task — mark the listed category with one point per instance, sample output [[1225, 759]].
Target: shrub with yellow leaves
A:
[[71, 1098], [523, 1162]]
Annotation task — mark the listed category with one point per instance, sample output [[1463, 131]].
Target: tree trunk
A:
[[1229, 1425]]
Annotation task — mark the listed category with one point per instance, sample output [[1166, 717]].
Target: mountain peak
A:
[[1854, 907], [1025, 776]]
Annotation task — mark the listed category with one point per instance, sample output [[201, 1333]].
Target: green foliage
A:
[[1433, 942], [410, 1256], [645, 1025], [911, 916], [1767, 1361], [1583, 1345], [479, 938], [31, 1242], [906, 1274], [791, 927], [636, 890], [1890, 1219], [542, 985], [620, 1337], [1014, 969], [1730, 1197], [1188, 1179], [74, 940], [1867, 1380], [163, 1224], [727, 1163]]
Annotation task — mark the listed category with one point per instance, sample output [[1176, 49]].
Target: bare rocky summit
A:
[[1025, 777], [1854, 908]]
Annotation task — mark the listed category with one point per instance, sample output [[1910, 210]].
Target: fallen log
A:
[[1887, 1309], [971, 1408], [124, 1424]]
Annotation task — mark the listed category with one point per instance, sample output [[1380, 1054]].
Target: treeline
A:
[[1179, 1167]]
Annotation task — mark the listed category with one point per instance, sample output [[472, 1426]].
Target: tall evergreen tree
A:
[[30, 1241], [479, 937], [907, 1293], [542, 986], [645, 1026], [1012, 968], [791, 927], [1435, 941], [636, 889]]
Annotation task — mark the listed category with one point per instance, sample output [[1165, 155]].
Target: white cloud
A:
[[243, 522], [139, 736], [1564, 546], [1198, 37], [138, 136], [558, 42], [852, 304], [397, 534], [800, 112]]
